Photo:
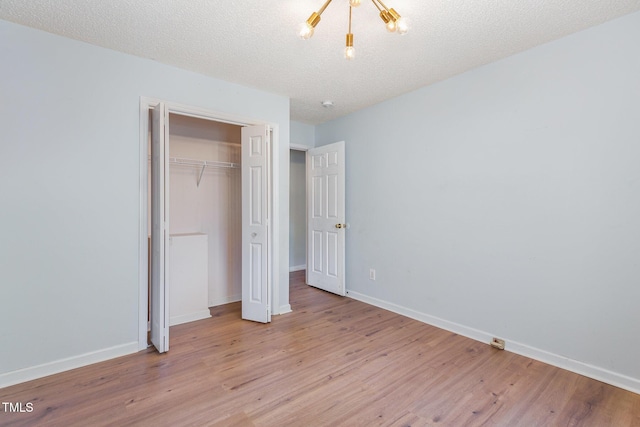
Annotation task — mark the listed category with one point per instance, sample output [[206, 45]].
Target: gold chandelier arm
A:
[[389, 16], [315, 16], [391, 11], [382, 4], [324, 6]]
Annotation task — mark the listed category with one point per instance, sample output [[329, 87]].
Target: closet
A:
[[205, 213]]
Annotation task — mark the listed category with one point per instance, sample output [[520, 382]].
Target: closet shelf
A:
[[200, 163], [203, 164]]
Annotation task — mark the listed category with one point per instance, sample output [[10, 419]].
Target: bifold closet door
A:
[[160, 228], [255, 223]]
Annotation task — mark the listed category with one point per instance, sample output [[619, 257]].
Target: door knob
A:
[[341, 225]]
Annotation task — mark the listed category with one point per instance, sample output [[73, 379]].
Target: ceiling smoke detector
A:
[[327, 104]]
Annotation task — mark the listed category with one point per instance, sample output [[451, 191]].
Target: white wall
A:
[[69, 163], [505, 202], [297, 211], [302, 134]]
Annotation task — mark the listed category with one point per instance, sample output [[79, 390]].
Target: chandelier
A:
[[392, 19]]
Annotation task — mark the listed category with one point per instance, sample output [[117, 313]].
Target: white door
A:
[[326, 217], [256, 183], [159, 310]]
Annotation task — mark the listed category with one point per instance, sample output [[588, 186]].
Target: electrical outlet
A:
[[497, 343], [372, 274]]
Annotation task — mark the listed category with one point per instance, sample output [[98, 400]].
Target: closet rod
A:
[[202, 164], [212, 163]]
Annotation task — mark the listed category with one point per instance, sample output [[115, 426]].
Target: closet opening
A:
[[207, 204], [205, 211]]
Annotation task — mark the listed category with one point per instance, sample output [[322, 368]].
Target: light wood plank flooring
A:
[[332, 362]]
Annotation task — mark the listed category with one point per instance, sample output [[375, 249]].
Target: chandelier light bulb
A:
[[402, 26], [354, 3], [391, 26], [305, 31], [349, 52]]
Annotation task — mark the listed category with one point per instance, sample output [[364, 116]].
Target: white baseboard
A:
[[284, 309], [595, 372], [297, 268], [226, 300], [189, 317], [591, 371], [57, 366]]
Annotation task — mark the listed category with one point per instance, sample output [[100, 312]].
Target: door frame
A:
[[146, 104]]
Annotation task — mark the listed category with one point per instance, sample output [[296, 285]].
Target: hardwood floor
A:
[[332, 362]]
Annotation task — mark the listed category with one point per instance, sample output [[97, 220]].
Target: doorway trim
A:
[[146, 104], [299, 147]]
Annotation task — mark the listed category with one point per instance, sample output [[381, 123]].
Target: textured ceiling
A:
[[254, 43]]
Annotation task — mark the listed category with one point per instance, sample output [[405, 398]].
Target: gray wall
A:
[[70, 168], [505, 201], [297, 210]]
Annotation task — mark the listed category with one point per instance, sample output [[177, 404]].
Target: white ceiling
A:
[[254, 43]]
